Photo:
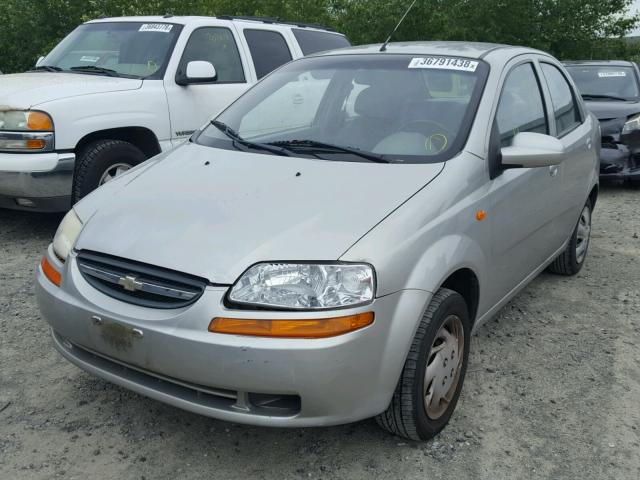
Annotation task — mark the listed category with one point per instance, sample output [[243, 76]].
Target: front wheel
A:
[[102, 161], [570, 261], [433, 374]]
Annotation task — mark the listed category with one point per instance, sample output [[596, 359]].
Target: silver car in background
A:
[[322, 252]]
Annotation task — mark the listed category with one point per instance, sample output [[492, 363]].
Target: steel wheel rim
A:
[[583, 233], [444, 364], [113, 171]]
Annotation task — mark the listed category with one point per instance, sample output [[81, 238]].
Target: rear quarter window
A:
[[311, 41]]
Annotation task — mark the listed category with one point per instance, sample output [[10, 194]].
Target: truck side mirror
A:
[[198, 71]]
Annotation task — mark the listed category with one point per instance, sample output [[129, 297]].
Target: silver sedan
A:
[[323, 250]]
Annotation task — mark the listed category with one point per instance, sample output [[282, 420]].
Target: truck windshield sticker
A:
[[444, 63], [90, 59], [612, 74], [156, 27]]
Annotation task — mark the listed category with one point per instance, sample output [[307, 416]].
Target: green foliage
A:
[[566, 28]]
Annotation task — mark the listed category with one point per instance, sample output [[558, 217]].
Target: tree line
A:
[[568, 29]]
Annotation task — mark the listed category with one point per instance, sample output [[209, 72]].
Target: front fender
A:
[[77, 117]]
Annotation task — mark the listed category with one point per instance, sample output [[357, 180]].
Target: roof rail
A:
[[275, 20], [253, 19]]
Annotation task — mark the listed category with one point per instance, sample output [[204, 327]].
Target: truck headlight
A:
[[305, 286], [25, 131], [66, 235], [632, 124]]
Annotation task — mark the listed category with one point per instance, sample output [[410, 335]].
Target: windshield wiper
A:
[[46, 68], [233, 135], [94, 69], [604, 97], [315, 147]]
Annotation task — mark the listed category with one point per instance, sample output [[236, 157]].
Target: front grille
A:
[[139, 283]]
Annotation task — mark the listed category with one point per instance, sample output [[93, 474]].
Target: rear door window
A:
[[312, 41], [521, 108], [565, 107], [268, 49]]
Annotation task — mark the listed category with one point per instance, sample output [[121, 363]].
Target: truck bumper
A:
[[36, 181]]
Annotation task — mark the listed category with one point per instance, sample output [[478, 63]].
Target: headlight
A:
[[633, 123], [66, 235], [25, 131], [303, 286]]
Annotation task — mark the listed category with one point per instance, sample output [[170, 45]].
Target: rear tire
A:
[[101, 161], [430, 383], [570, 261]]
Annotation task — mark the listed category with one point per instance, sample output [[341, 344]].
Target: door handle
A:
[[553, 170]]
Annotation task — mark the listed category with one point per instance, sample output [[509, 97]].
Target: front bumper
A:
[[36, 181], [174, 359]]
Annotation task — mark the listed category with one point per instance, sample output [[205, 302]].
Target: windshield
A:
[[381, 107], [126, 49], [605, 81]]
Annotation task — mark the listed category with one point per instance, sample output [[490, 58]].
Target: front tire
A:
[[101, 161], [433, 374], [570, 261]]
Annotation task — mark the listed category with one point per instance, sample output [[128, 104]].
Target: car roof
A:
[[600, 63], [222, 20], [476, 50]]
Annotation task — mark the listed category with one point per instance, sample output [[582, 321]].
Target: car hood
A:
[[612, 109], [215, 220], [29, 90], [612, 115]]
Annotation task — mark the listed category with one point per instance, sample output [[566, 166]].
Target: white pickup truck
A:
[[117, 91]]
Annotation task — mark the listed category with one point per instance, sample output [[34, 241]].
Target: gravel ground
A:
[[553, 390]]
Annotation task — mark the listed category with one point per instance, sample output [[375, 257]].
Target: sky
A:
[[634, 8]]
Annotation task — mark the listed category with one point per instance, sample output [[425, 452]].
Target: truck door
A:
[[191, 106]]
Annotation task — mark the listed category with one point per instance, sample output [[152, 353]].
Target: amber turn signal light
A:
[[39, 121], [308, 328], [51, 273]]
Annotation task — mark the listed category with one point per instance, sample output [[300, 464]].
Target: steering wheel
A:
[[437, 141]]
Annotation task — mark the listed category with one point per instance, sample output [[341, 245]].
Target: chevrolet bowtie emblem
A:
[[130, 283]]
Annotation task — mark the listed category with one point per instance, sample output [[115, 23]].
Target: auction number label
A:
[[444, 63], [156, 27], [612, 74]]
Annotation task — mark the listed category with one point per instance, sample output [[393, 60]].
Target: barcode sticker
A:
[[444, 63], [612, 74], [156, 27]]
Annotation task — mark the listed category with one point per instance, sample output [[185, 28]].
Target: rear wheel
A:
[[433, 374], [570, 261], [102, 161]]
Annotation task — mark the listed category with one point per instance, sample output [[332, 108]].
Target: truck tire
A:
[[101, 161], [570, 261], [441, 344]]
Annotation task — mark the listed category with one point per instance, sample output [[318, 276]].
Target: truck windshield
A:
[[605, 82], [124, 49], [373, 107]]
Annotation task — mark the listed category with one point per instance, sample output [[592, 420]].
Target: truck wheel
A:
[[432, 377], [102, 161], [570, 261]]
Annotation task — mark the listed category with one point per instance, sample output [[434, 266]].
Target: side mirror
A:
[[40, 59], [198, 72], [530, 150]]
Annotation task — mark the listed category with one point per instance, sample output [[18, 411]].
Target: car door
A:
[[191, 106], [523, 200], [574, 130]]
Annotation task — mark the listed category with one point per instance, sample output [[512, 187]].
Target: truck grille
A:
[[139, 283]]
